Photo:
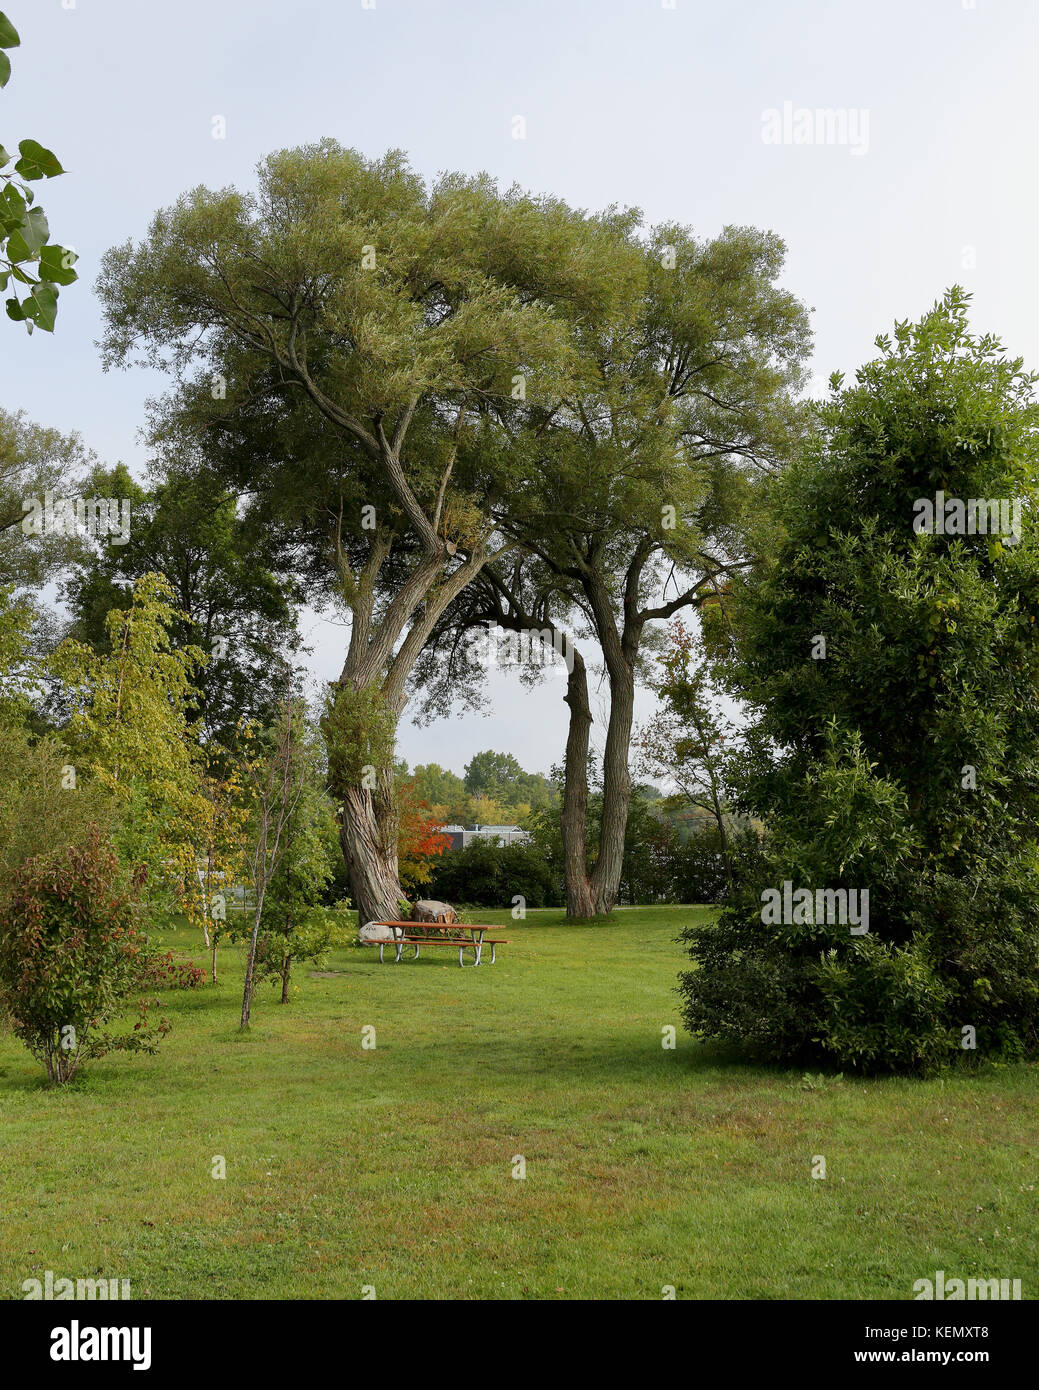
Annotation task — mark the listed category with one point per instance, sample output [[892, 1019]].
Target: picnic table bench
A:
[[465, 935]]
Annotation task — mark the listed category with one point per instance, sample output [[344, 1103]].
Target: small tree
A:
[[218, 860], [128, 731], [294, 925], [71, 957], [690, 739], [279, 780]]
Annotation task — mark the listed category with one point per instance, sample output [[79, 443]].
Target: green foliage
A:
[[230, 602], [650, 839], [490, 875], [494, 791], [27, 255], [500, 777], [410, 312], [34, 460], [439, 786], [71, 957], [905, 762], [128, 730], [41, 811], [18, 672], [690, 740], [309, 936], [697, 863], [294, 925], [359, 730]]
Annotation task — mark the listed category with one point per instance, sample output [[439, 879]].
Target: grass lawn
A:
[[394, 1167]]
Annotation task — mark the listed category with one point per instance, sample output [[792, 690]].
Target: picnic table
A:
[[467, 936]]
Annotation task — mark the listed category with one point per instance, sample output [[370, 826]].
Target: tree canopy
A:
[[890, 673]]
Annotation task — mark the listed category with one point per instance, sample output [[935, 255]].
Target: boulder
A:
[[375, 931]]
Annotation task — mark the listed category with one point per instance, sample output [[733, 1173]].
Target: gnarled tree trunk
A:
[[368, 837]]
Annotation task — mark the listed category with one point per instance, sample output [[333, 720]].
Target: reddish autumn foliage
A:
[[72, 957], [421, 837]]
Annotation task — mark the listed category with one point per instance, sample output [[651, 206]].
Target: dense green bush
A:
[[697, 872], [485, 874], [902, 757]]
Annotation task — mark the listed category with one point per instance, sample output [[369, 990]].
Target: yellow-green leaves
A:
[[128, 729]]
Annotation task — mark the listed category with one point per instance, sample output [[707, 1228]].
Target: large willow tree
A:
[[415, 339]]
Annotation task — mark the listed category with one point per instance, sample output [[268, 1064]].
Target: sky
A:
[[925, 175]]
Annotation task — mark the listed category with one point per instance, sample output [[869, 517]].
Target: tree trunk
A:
[[594, 894], [368, 836], [286, 966], [574, 814], [719, 816], [250, 965], [368, 825], [616, 796], [212, 971]]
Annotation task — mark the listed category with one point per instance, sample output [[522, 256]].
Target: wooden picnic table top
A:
[[434, 926]]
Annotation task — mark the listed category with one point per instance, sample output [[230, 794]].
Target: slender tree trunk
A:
[[212, 968], [286, 966], [574, 815], [250, 965], [204, 885], [719, 816]]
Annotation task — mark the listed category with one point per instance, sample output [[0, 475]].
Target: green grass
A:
[[393, 1167]]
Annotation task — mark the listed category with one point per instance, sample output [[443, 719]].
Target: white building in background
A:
[[460, 837]]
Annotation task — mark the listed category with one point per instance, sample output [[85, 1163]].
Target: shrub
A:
[[890, 673], [165, 971], [71, 957], [485, 874], [698, 872]]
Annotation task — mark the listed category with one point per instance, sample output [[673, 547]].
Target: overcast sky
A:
[[661, 104]]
